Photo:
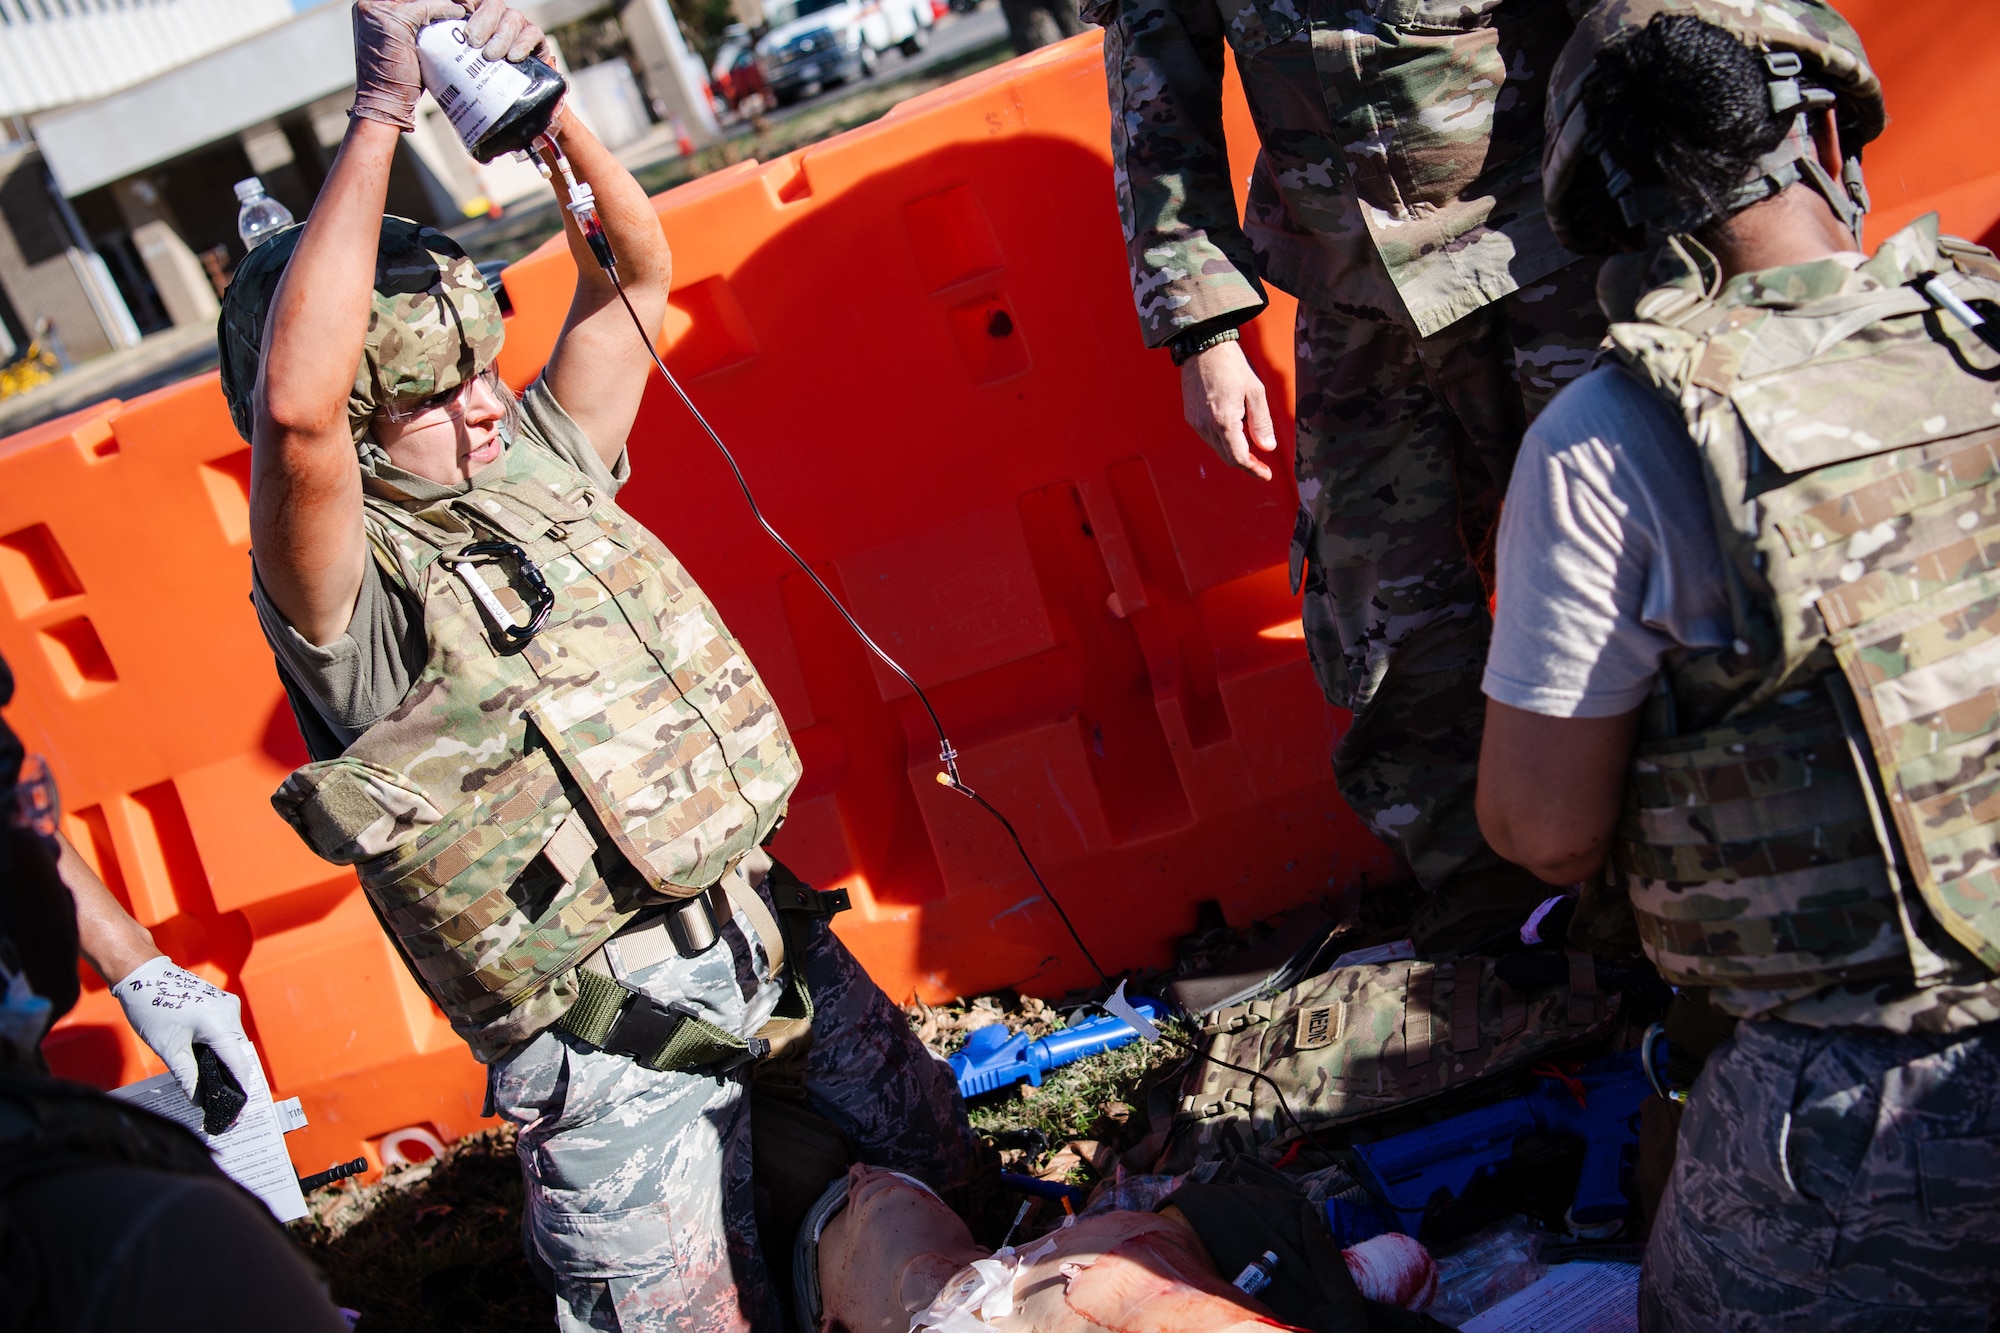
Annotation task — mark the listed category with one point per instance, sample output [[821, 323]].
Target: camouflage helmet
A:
[[1798, 39], [434, 323]]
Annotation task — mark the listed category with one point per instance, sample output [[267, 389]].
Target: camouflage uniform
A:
[[1836, 1181], [1397, 196], [1808, 830], [1846, 437], [1405, 445], [533, 795], [639, 1185]]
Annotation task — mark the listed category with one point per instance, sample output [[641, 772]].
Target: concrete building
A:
[[116, 196], [58, 52]]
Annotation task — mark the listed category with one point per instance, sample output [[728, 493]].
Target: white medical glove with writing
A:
[[171, 1009]]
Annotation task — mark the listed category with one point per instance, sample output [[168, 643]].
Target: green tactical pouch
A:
[[1358, 1041]]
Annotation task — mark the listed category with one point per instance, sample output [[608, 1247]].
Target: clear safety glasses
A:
[[450, 401]]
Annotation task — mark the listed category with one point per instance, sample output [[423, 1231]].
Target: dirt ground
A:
[[436, 1248]]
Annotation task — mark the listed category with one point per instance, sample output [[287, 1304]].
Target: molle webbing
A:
[[1849, 433], [1924, 679], [1360, 1040], [526, 799], [604, 1016], [1751, 859]]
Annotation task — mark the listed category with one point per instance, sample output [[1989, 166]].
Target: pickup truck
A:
[[827, 42]]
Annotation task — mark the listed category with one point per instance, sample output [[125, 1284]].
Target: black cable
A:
[[1029, 862], [1297, 1126], [946, 754], [338, 1171]]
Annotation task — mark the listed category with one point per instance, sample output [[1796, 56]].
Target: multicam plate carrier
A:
[[1845, 748]]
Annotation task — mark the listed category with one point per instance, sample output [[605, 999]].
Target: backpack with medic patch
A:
[[1357, 1041]]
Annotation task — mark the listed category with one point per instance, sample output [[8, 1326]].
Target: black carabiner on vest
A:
[[540, 600]]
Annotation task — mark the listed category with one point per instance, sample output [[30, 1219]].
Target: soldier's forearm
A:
[[109, 939], [644, 260], [1189, 259], [319, 315]]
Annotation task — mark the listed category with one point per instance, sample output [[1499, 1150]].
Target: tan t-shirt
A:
[[341, 689]]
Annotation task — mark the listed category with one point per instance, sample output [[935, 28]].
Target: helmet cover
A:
[[433, 323]]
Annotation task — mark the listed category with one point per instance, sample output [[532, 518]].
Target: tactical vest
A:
[[1794, 792], [533, 791]]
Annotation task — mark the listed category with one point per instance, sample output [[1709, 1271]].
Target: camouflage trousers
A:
[[1405, 445], [1836, 1179], [639, 1184]]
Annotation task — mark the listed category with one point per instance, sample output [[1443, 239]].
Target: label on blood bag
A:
[[472, 91]]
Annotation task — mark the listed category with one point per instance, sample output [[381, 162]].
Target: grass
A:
[[524, 226], [1101, 1099]]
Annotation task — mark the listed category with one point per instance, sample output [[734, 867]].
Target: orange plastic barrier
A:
[[1938, 60], [919, 340]]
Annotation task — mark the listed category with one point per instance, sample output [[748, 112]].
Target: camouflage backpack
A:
[[1796, 791], [1357, 1041]]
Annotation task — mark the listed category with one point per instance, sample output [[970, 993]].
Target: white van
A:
[[827, 42]]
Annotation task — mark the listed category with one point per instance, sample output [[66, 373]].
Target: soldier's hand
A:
[[387, 78], [504, 33], [171, 1009], [1224, 401]]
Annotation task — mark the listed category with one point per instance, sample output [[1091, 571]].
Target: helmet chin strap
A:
[[1795, 159]]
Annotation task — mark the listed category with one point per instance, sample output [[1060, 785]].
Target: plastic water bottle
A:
[[261, 217]]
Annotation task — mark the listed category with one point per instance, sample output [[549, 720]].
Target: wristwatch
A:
[[1196, 341]]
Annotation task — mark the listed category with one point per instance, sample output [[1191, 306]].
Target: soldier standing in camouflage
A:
[[550, 765], [1397, 196], [1743, 662]]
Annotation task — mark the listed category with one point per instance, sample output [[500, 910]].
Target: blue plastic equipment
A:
[[1411, 1171], [994, 1057], [1044, 1189]]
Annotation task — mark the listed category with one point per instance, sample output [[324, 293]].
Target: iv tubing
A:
[[582, 206]]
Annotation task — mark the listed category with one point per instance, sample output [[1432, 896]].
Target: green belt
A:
[[670, 1036]]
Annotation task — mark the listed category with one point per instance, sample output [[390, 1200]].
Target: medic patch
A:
[[1320, 1025]]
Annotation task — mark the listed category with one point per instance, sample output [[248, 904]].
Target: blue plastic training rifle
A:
[[994, 1057], [1600, 1105]]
